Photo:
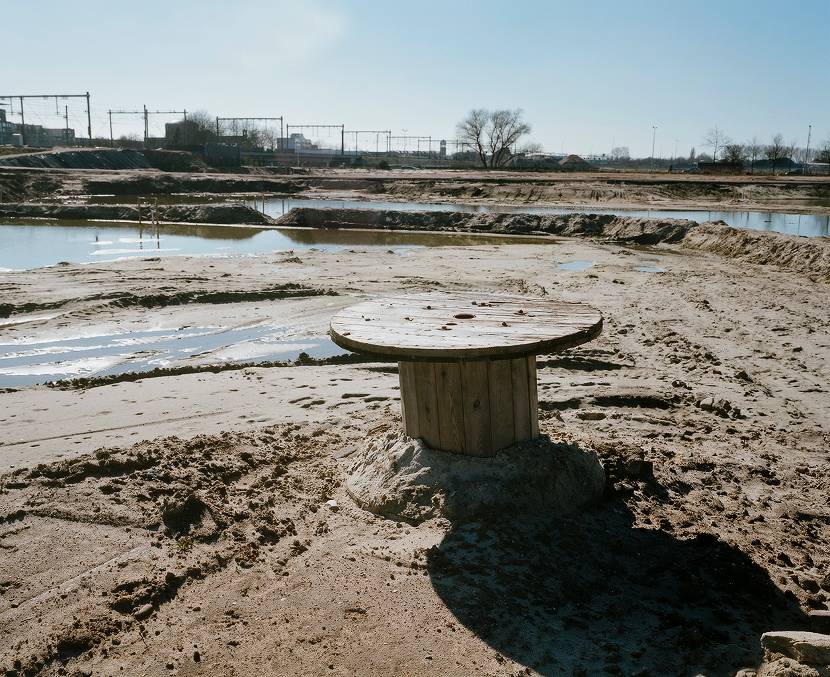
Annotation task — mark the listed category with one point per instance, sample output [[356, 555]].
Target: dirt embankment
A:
[[107, 158], [93, 158], [810, 256], [152, 183], [208, 213], [606, 190], [607, 226], [18, 185]]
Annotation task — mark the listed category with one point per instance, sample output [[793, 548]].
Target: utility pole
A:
[[20, 98], [807, 151], [144, 113], [66, 129], [653, 137], [88, 119], [112, 142], [376, 132], [22, 122], [343, 140]]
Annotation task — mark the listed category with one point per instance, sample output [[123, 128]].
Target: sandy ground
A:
[[184, 525]]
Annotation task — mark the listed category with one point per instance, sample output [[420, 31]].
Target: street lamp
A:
[[653, 138]]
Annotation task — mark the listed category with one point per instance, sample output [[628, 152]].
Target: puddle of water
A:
[[649, 269], [27, 362], [25, 246], [575, 265]]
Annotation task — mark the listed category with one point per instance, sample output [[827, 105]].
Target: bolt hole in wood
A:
[[471, 390]]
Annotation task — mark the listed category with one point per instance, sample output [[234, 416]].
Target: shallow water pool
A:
[[27, 362], [37, 244]]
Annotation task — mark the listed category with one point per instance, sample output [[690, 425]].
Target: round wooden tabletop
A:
[[463, 326]]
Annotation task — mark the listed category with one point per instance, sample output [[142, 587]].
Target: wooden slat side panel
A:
[[474, 384], [409, 399], [533, 396], [426, 394], [521, 399], [502, 428], [450, 406]]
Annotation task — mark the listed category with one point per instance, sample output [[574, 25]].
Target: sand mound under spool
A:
[[397, 476]]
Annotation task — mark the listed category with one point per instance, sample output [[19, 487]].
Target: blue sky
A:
[[587, 74]]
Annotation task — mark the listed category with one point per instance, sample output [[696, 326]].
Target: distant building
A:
[[7, 128], [13, 133], [181, 133], [45, 137], [298, 142]]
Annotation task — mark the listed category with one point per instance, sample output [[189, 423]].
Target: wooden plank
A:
[[533, 396], [502, 430], [521, 399], [409, 399], [450, 406], [476, 405], [427, 403]]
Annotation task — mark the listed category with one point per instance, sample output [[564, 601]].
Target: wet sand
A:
[[183, 524]]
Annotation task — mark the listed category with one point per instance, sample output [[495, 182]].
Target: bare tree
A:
[[716, 139], [776, 150], [823, 154], [792, 151], [734, 152], [754, 148], [471, 131], [201, 127], [493, 134], [270, 138]]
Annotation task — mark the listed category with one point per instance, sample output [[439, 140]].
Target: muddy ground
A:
[[184, 524]]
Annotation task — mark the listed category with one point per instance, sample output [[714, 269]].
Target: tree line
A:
[[775, 151], [496, 135]]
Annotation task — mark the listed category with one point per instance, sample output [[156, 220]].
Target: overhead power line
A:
[[21, 97]]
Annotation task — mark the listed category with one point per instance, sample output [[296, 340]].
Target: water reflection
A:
[[30, 361], [34, 245]]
